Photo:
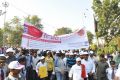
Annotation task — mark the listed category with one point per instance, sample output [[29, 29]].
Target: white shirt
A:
[[35, 60], [13, 78], [40, 65], [118, 73], [65, 60], [109, 73], [89, 65], [119, 65], [108, 61], [59, 65], [75, 71], [93, 59]]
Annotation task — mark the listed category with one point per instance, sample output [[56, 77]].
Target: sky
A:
[[55, 14]]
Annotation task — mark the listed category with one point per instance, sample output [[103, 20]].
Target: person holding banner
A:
[[50, 64], [41, 69], [59, 66], [77, 71], [71, 60], [89, 66]]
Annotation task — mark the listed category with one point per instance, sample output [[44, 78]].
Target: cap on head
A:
[[57, 52], [91, 52], [15, 65], [2, 57], [85, 53], [75, 53], [67, 53], [42, 57], [10, 50], [48, 52], [71, 53], [78, 59], [81, 52], [63, 51]]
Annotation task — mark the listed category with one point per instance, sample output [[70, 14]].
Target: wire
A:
[[12, 5], [19, 9]]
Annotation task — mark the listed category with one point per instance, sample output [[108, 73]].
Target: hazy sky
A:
[[74, 14]]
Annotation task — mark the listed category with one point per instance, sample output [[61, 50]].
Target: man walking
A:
[[76, 71]]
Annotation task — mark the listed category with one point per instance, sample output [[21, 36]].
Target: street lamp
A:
[[5, 5]]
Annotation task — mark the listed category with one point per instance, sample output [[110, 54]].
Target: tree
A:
[[34, 20], [93, 47], [63, 30], [107, 14], [1, 37], [90, 37], [13, 29], [12, 32]]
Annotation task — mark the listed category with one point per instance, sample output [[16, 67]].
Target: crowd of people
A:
[[25, 64]]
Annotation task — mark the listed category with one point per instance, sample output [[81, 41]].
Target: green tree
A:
[[63, 30], [34, 20], [13, 32], [16, 34], [13, 29], [90, 37], [93, 47], [1, 37], [107, 14]]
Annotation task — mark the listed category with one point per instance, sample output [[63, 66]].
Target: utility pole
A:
[[5, 5]]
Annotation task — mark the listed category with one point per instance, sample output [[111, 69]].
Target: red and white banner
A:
[[34, 38]]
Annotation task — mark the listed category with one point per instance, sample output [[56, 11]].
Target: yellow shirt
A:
[[43, 72], [41, 69], [50, 63]]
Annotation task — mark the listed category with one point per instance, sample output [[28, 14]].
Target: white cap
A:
[[15, 65], [48, 52], [2, 57], [78, 59], [42, 57], [63, 51], [84, 53], [67, 53], [10, 50], [71, 53], [81, 52], [75, 53], [91, 52], [57, 51]]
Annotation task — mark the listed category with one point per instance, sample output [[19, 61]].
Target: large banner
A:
[[34, 38]]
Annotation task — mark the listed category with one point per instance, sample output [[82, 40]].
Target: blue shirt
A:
[[71, 61]]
